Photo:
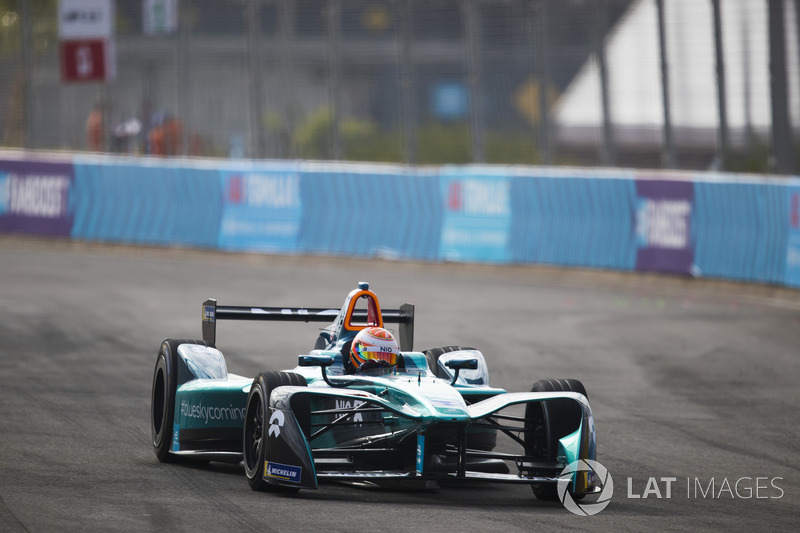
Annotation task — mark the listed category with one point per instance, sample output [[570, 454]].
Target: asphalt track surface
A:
[[689, 380]]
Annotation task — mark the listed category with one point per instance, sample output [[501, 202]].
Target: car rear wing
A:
[[404, 316]]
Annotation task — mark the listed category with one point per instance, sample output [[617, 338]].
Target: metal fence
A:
[[691, 84]]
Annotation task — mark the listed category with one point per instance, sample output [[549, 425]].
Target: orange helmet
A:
[[376, 344]]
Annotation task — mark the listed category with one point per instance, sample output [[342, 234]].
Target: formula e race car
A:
[[419, 415]]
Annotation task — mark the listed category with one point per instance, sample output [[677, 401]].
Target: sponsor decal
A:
[[211, 414], [209, 313], [81, 19], [477, 219], [261, 211], [283, 472], [662, 222], [264, 190], [276, 422], [793, 245], [346, 404], [5, 193], [34, 197], [176, 443], [39, 196], [420, 452]]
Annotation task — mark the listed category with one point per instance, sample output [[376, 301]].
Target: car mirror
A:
[[315, 360], [457, 363], [470, 363]]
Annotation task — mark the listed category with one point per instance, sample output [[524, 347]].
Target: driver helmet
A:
[[374, 344]]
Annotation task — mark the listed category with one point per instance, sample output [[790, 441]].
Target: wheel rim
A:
[[254, 433]]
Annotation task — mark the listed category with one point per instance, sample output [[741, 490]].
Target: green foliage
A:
[[312, 139], [755, 159], [361, 139], [43, 25], [437, 144], [511, 149]]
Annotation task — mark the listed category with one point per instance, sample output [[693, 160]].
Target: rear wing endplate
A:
[[404, 316]]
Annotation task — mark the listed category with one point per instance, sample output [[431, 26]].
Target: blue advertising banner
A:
[[370, 211], [569, 219], [477, 218], [35, 197], [712, 225], [261, 210], [663, 226], [121, 201], [793, 248]]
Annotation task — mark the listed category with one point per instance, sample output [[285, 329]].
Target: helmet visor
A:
[[377, 353]]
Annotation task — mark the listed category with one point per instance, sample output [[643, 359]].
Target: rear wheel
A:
[[255, 426], [549, 421], [432, 357], [162, 400]]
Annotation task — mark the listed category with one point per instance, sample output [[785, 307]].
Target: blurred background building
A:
[[685, 84]]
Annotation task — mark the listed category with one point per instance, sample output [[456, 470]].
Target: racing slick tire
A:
[[432, 356], [162, 401], [255, 429], [563, 418]]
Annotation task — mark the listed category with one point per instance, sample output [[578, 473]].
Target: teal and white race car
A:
[[426, 415]]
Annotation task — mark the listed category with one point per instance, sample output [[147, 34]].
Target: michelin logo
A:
[[283, 472]]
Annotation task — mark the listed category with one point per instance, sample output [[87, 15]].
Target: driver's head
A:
[[374, 344]]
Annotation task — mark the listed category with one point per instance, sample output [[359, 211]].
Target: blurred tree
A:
[[40, 19]]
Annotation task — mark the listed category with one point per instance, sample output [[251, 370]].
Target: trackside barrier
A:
[[713, 225]]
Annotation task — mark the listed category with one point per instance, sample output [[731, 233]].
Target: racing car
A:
[[427, 415]]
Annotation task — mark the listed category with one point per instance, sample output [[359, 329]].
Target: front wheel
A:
[[549, 421], [256, 426]]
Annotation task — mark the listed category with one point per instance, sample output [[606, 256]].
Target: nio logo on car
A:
[[282, 472], [590, 469], [276, 423]]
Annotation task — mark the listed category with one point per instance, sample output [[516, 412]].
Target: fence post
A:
[[334, 74], [407, 85], [472, 49], [722, 103], [27, 76], [668, 149], [182, 73], [286, 20], [781, 131], [254, 73], [599, 33], [543, 71]]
